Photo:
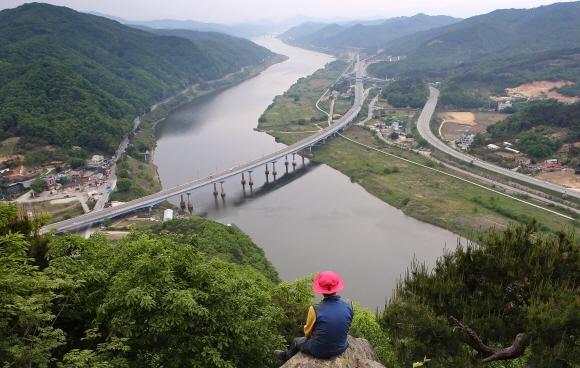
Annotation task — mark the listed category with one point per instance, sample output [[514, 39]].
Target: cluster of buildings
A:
[[92, 175], [466, 139]]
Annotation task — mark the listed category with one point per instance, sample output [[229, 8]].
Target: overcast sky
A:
[[229, 11]]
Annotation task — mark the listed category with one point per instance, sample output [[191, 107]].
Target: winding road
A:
[[423, 128]]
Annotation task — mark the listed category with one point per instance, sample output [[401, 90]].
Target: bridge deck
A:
[[150, 200]]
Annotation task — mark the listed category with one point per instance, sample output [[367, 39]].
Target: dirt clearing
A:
[[465, 118], [457, 123], [542, 89]]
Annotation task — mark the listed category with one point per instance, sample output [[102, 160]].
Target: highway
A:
[[98, 216], [423, 128]]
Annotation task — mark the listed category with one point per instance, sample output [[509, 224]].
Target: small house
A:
[[492, 146], [503, 105], [466, 139], [97, 160]]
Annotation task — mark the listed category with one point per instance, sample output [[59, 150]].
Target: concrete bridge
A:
[[220, 178]]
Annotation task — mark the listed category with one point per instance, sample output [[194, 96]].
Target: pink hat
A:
[[327, 282]]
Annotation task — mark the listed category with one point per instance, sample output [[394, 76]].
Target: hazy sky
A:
[[228, 11]]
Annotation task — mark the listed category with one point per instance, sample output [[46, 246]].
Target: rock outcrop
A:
[[359, 354]]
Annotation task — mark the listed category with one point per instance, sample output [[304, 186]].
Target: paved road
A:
[[423, 127], [97, 216]]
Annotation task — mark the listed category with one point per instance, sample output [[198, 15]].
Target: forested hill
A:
[[499, 33], [238, 52], [129, 69], [336, 36]]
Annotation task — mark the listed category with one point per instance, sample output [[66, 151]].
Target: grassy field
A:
[[419, 192], [58, 212], [293, 115], [7, 146], [144, 176], [425, 194]]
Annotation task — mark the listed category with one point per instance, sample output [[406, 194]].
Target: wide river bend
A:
[[311, 220]]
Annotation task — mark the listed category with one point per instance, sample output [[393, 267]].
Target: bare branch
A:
[[516, 350]]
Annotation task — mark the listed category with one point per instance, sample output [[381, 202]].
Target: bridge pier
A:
[[215, 192], [243, 179], [223, 190], [189, 203], [182, 202], [274, 170], [267, 172], [251, 182], [293, 160]]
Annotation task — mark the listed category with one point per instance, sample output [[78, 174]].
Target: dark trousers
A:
[[299, 344]]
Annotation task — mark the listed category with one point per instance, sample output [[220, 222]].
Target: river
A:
[[310, 220]]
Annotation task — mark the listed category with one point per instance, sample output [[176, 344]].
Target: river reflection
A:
[[310, 220]]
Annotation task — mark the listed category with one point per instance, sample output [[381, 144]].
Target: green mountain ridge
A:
[[126, 70], [499, 33], [359, 35]]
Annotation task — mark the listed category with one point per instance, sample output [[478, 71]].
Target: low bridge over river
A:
[[221, 177]]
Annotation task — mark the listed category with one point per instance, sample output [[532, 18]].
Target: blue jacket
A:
[[333, 318]]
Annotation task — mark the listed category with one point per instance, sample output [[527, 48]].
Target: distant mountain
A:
[[499, 33], [304, 29], [238, 51], [317, 38], [362, 34], [84, 58], [238, 30]]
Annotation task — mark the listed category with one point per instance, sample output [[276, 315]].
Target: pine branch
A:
[[516, 350]]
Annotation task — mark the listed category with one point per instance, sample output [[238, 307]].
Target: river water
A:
[[312, 219]]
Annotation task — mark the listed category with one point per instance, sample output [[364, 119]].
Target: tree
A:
[[38, 185], [63, 180], [171, 305], [124, 185], [76, 162], [478, 140], [394, 135], [107, 222], [503, 284], [27, 335]]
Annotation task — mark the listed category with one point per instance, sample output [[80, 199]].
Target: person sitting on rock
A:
[[327, 324]]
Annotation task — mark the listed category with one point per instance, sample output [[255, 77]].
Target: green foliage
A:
[[460, 99], [540, 116], [365, 324], [38, 185], [506, 283], [294, 299], [217, 240], [27, 335], [107, 222], [411, 92], [124, 185], [167, 302], [78, 79], [46, 99], [76, 162]]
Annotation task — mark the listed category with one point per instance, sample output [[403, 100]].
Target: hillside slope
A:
[[499, 33], [361, 34], [98, 73]]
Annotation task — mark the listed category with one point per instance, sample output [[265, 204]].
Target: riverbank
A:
[[437, 197], [144, 137]]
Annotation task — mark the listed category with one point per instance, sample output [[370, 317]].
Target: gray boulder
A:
[[359, 354]]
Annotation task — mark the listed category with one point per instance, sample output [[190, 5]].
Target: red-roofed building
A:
[[550, 167]]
